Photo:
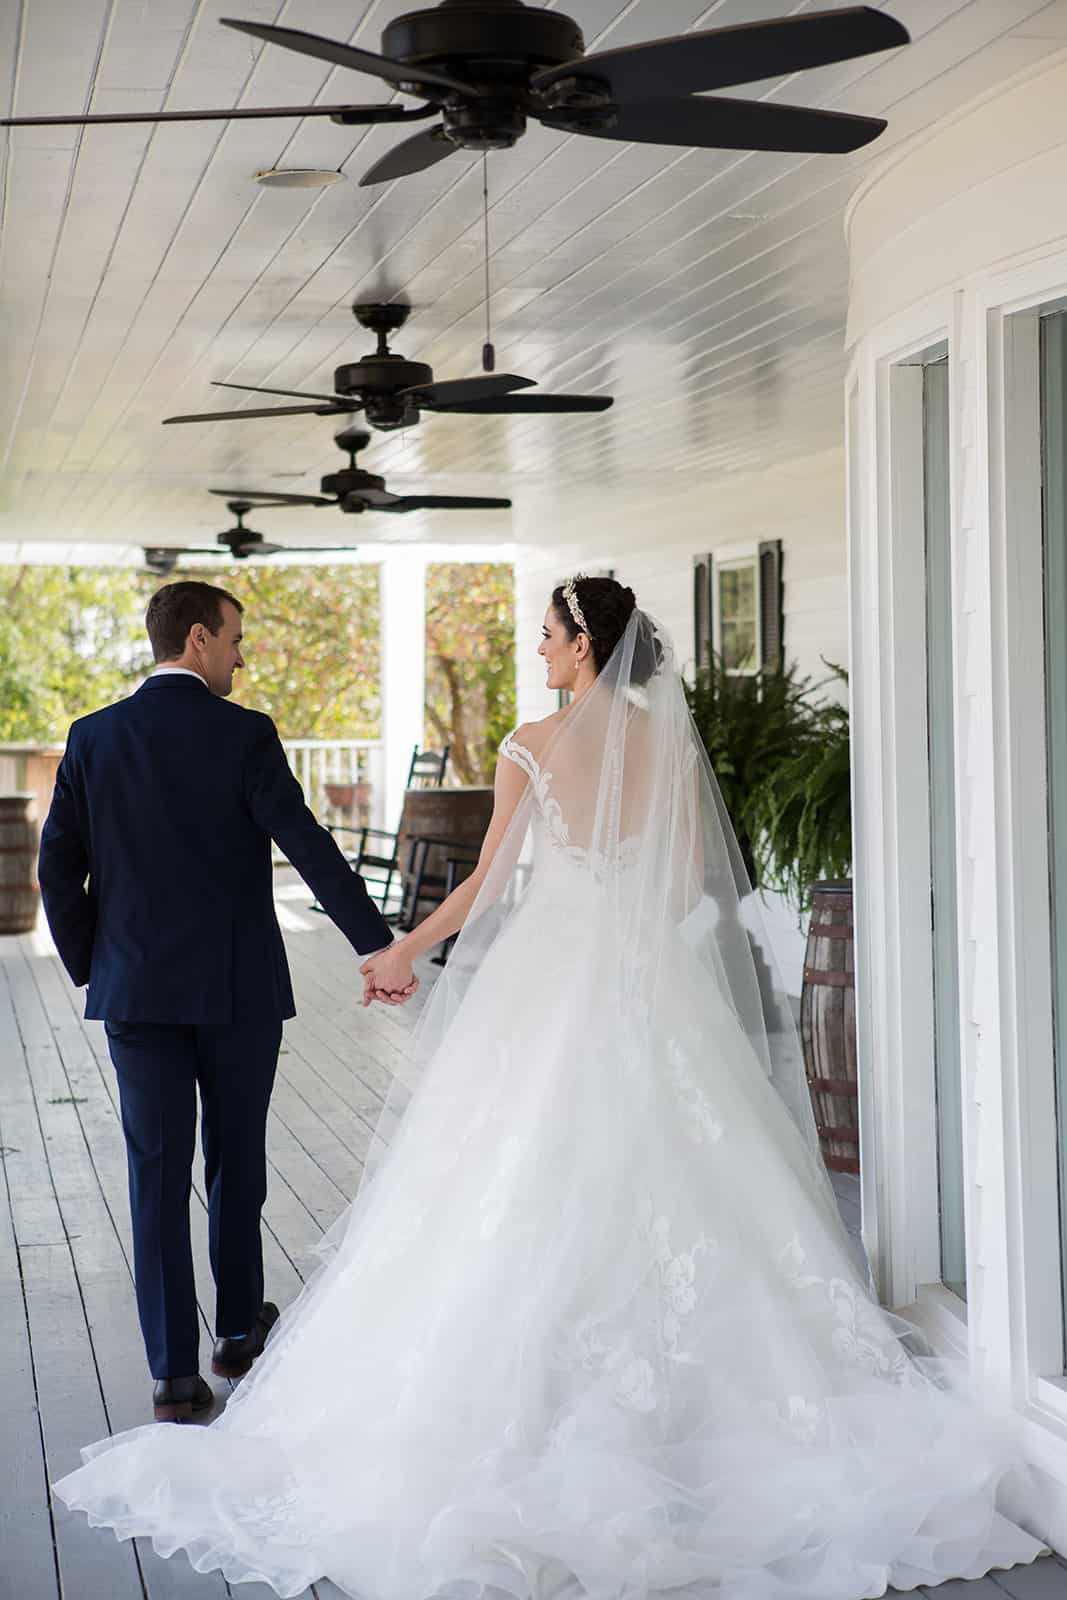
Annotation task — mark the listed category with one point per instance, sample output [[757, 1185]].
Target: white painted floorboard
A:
[[71, 1361]]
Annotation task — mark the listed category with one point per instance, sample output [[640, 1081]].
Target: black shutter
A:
[[702, 611], [772, 624]]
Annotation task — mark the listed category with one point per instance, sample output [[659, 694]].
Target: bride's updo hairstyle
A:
[[606, 607]]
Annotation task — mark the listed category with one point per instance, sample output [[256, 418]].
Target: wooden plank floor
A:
[[71, 1360]]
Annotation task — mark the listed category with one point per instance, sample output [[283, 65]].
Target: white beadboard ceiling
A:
[[706, 290]]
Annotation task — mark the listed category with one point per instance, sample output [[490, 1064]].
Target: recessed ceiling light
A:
[[298, 178]]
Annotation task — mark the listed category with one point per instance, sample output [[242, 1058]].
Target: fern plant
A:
[[750, 726], [799, 815]]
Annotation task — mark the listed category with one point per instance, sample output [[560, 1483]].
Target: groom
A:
[[155, 873]]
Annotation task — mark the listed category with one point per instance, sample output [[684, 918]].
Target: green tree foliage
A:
[[313, 648], [72, 639], [470, 664]]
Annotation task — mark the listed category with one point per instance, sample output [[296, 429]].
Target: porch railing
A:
[[316, 763], [359, 763]]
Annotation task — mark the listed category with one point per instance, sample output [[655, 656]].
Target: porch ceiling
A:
[[705, 290]]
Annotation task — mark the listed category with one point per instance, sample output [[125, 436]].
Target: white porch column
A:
[[403, 611]]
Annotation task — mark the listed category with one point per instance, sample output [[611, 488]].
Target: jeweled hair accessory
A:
[[572, 602]]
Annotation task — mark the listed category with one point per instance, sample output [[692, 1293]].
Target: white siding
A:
[[650, 541]]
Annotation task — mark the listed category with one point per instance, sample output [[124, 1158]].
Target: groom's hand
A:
[[388, 976], [387, 998]]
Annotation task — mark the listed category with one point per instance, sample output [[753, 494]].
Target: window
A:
[[737, 615], [737, 607]]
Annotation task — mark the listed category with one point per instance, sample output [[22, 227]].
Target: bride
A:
[[592, 1329]]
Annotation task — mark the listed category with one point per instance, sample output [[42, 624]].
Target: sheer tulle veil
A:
[[628, 793]]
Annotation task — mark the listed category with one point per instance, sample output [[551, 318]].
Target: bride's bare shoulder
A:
[[534, 736]]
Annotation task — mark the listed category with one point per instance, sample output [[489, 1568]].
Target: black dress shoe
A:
[[175, 1399], [231, 1358]]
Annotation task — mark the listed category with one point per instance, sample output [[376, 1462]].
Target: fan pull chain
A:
[[488, 353]]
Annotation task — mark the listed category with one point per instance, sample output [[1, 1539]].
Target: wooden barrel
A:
[[828, 1025], [456, 818], [18, 863]]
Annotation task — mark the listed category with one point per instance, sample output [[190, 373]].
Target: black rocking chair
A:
[[421, 885]]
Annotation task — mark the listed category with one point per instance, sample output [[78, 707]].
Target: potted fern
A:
[[783, 764], [750, 725], [799, 814]]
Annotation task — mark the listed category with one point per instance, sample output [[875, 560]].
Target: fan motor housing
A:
[[381, 374], [504, 39], [379, 380], [349, 482]]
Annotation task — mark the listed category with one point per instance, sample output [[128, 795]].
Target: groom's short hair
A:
[[173, 610]]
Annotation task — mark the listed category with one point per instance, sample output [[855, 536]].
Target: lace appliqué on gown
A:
[[678, 1289], [861, 1334], [702, 1123], [599, 862]]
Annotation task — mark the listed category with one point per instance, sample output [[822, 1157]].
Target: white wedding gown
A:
[[594, 1332]]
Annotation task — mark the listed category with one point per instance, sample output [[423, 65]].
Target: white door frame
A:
[[891, 822]]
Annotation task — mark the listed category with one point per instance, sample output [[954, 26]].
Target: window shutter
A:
[[772, 625], [702, 611]]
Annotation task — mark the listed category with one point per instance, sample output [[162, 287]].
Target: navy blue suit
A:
[[156, 878]]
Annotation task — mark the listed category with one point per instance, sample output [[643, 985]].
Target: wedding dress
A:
[[592, 1329]]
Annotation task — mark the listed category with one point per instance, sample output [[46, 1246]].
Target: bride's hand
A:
[[388, 976]]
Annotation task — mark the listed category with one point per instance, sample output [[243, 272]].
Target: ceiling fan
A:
[[391, 391], [240, 542], [354, 490], [486, 66]]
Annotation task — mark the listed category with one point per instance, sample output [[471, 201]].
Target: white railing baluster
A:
[[317, 762]]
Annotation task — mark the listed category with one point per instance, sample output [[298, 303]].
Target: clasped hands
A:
[[387, 976]]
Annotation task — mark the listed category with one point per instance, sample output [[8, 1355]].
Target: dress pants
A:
[[159, 1068]]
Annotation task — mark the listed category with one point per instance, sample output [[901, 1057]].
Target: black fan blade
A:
[[715, 58], [315, 549], [455, 390], [725, 124], [293, 394], [264, 499], [422, 150], [445, 502], [511, 405], [349, 114], [265, 411], [348, 55]]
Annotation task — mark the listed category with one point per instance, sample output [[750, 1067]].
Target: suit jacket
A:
[[155, 861]]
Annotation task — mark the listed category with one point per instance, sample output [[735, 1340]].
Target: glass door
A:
[[941, 777], [1054, 550]]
